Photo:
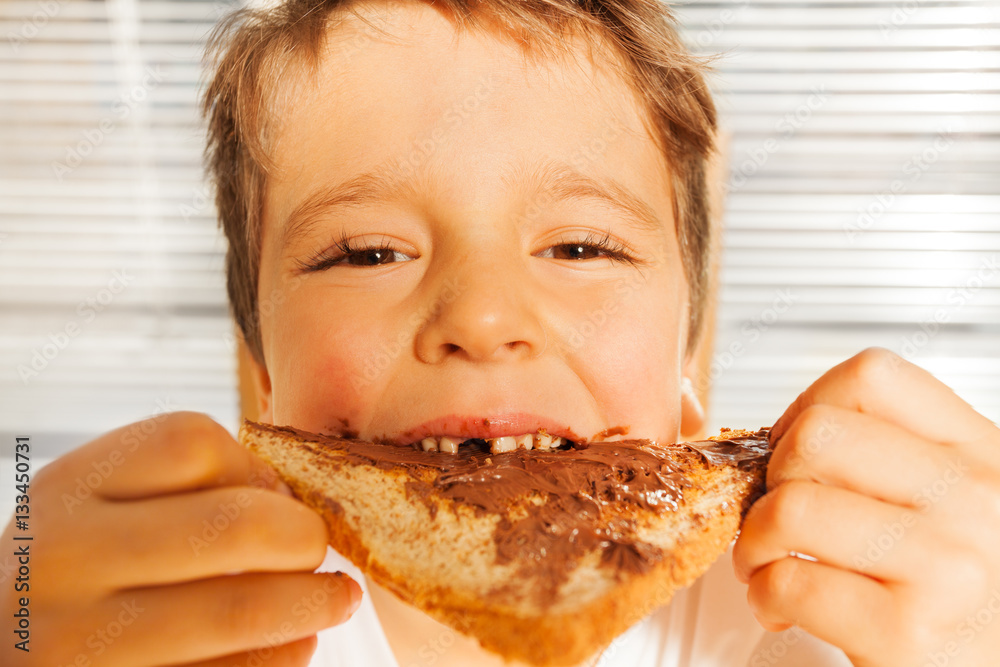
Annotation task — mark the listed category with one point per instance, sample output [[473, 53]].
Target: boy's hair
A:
[[250, 52]]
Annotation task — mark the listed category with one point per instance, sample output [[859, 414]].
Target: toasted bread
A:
[[543, 556]]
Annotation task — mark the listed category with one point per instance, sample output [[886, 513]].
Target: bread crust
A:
[[593, 605]]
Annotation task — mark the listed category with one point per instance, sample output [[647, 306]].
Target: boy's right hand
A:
[[166, 542]]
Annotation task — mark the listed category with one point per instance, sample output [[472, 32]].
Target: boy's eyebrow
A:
[[558, 180]]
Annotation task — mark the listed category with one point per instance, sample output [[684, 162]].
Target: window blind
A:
[[111, 280], [863, 195]]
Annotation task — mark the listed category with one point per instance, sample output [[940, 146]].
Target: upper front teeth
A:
[[502, 444], [450, 445], [505, 443]]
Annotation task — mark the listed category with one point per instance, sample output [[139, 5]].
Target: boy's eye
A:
[[345, 253], [575, 251], [373, 257], [592, 247]]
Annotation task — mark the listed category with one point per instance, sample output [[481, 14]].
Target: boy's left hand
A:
[[891, 483]]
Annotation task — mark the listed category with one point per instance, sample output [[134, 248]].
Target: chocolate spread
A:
[[556, 505]]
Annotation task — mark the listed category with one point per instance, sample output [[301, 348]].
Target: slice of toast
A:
[[543, 556]]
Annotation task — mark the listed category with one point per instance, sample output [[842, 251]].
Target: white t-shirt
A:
[[706, 625]]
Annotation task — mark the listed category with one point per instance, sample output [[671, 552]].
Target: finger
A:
[[848, 610], [222, 616], [841, 447], [840, 528], [165, 454], [295, 654], [886, 386], [197, 535]]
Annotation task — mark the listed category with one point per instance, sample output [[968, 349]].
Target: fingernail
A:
[[281, 487]]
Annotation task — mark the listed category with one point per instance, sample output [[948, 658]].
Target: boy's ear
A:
[[262, 387], [255, 386], [692, 411]]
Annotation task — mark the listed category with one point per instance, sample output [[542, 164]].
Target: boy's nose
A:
[[482, 315]]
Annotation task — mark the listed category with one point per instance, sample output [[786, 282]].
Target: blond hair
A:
[[249, 51]]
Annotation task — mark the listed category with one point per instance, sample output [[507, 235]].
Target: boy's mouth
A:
[[498, 433], [505, 443]]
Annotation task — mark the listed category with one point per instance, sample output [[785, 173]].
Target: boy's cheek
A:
[[633, 367], [322, 373]]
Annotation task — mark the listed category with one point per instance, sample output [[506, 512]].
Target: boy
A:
[[421, 217]]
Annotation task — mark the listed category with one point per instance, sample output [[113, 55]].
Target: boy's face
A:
[[484, 290]]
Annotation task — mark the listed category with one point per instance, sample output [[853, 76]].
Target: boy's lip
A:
[[492, 426]]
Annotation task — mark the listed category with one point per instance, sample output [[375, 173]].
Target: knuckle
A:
[[191, 425], [952, 567], [781, 579], [871, 365], [192, 442], [810, 433], [789, 505], [815, 418]]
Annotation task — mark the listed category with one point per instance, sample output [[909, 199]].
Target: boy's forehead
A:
[[403, 92]]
